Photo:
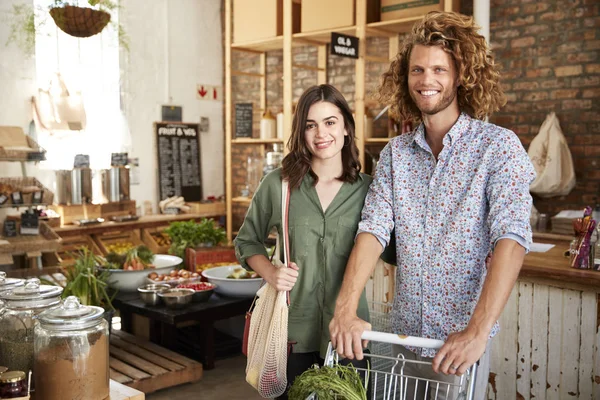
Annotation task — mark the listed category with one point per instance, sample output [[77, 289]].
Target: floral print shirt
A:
[[447, 217]]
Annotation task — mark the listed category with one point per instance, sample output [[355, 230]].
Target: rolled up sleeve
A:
[[377, 217], [256, 227], [508, 193]]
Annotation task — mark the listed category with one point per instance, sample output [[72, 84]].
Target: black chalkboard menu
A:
[[243, 120], [178, 153]]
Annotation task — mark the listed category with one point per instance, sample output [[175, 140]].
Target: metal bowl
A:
[[203, 295], [149, 293], [177, 298]]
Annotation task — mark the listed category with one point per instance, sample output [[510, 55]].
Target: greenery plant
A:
[[186, 234], [329, 383], [86, 282]]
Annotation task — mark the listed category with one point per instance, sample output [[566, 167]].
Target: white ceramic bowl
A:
[[129, 281], [231, 287]]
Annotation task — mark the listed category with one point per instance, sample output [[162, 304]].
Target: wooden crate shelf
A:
[[46, 241], [104, 240], [150, 237], [147, 367], [72, 245]]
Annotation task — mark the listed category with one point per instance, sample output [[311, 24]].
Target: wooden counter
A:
[[151, 221], [553, 268]]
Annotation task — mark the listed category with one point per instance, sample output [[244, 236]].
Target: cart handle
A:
[[403, 340]]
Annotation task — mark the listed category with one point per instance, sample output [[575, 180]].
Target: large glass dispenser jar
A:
[[22, 304], [8, 284], [71, 353]]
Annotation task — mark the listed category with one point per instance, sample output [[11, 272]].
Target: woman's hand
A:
[[281, 278]]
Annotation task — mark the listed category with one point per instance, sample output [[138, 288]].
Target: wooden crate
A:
[[46, 241], [209, 255], [10, 185], [74, 212], [147, 367], [149, 237], [216, 208], [72, 244], [104, 240]]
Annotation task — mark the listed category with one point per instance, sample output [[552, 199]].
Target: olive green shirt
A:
[[320, 244]]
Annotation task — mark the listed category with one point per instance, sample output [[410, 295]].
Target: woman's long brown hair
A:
[[297, 163]]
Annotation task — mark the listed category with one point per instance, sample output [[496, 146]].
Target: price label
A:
[[10, 228], [37, 197], [16, 198], [82, 161], [118, 159]]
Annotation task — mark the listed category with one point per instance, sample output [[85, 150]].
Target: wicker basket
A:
[[14, 135], [79, 21], [9, 185], [46, 241]]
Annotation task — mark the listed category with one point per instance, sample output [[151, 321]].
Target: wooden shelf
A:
[[320, 37], [382, 140], [24, 205], [256, 141], [242, 200], [260, 46], [393, 27]]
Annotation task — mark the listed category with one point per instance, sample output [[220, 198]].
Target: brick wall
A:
[[549, 56]]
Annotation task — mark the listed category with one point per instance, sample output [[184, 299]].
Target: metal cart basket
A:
[[388, 375]]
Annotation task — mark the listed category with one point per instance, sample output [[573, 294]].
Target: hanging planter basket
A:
[[79, 21]]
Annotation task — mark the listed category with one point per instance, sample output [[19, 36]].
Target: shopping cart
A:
[[388, 380]]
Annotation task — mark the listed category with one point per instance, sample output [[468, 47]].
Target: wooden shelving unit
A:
[[286, 42]]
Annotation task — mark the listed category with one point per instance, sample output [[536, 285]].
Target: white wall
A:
[[174, 44]]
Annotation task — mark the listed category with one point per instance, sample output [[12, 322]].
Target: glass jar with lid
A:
[[22, 304], [8, 284], [13, 385], [71, 353]]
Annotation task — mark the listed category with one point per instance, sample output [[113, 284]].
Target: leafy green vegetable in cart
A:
[[329, 383]]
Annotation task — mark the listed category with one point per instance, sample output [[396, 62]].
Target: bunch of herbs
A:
[[186, 234], [329, 383]]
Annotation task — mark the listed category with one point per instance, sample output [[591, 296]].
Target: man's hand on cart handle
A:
[[346, 332], [459, 353]]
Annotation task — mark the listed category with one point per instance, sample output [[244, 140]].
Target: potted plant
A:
[[80, 19]]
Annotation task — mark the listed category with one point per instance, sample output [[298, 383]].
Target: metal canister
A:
[[74, 186], [115, 184]]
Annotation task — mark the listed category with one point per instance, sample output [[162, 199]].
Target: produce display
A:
[[186, 234], [119, 248], [179, 275], [162, 239], [198, 287], [134, 259], [241, 273], [202, 267]]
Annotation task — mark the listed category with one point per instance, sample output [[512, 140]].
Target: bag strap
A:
[[285, 210]]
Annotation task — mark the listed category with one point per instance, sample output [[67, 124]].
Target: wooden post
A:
[[322, 65], [393, 46], [287, 72], [359, 96], [228, 122]]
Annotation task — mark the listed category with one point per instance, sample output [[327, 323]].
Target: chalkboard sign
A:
[[344, 45], [82, 161], [118, 159], [10, 228], [243, 120], [3, 198], [171, 113], [178, 153], [30, 224]]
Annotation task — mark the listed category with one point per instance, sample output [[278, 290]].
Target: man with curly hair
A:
[[453, 190]]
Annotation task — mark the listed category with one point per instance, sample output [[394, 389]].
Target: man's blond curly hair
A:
[[479, 91]]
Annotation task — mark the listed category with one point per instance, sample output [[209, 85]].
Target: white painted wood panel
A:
[[524, 335], [555, 311], [596, 373], [539, 342], [503, 366], [569, 359], [586, 348]]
